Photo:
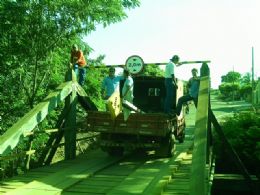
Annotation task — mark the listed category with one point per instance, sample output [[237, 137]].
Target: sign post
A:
[[134, 64]]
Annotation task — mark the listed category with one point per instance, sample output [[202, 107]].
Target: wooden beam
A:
[[27, 123], [233, 154], [53, 139], [15, 156], [70, 133], [155, 63], [48, 131], [198, 171], [234, 182], [29, 148], [70, 121]]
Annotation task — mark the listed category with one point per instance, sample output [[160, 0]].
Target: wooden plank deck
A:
[[57, 177], [89, 174]]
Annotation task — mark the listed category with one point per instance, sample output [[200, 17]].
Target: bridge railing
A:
[[27, 126], [200, 155]]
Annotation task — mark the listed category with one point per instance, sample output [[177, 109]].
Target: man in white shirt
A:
[[127, 92], [170, 84]]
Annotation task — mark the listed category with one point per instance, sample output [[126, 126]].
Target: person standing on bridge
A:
[[170, 84], [193, 87], [127, 92], [110, 84], [78, 63]]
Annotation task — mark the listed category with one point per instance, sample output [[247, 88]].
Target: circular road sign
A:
[[134, 64]]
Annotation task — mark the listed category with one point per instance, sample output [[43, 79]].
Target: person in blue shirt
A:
[[193, 86], [110, 84]]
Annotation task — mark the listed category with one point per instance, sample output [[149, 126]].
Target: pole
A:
[[253, 74], [233, 89]]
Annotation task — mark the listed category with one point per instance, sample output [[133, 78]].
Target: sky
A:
[[222, 31]]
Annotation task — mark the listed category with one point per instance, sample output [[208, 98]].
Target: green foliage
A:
[[243, 132], [35, 42], [153, 70], [231, 77], [245, 91], [235, 87], [229, 91], [246, 79], [36, 38], [94, 80]]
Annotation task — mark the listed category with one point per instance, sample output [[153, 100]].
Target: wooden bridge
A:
[[189, 171]]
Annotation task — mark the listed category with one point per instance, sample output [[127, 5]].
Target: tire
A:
[[115, 151], [172, 146], [167, 146], [181, 138]]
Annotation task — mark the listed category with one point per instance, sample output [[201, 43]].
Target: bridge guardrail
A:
[[66, 125], [202, 157], [199, 176]]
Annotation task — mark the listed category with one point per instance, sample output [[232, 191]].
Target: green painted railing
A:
[[12, 136], [66, 125], [199, 175], [202, 158]]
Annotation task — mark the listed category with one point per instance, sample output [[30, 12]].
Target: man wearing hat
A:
[[193, 86], [170, 84]]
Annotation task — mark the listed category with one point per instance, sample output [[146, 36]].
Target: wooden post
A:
[[70, 123], [198, 171], [29, 148], [209, 137], [258, 92], [253, 80], [204, 70]]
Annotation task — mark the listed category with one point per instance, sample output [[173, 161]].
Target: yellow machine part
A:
[[114, 104]]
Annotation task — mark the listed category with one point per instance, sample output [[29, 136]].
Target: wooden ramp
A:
[[97, 173], [90, 176], [55, 178], [179, 184]]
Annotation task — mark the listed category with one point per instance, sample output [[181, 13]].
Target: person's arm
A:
[[178, 64], [189, 83], [174, 81], [127, 89], [121, 78], [129, 85]]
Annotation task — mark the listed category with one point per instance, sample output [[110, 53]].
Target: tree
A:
[[231, 77], [235, 85], [153, 70], [35, 40], [32, 30], [246, 79], [245, 86]]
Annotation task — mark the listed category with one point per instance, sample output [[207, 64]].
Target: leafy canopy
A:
[[35, 41]]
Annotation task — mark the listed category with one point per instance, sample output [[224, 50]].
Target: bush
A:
[[243, 132], [229, 90]]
